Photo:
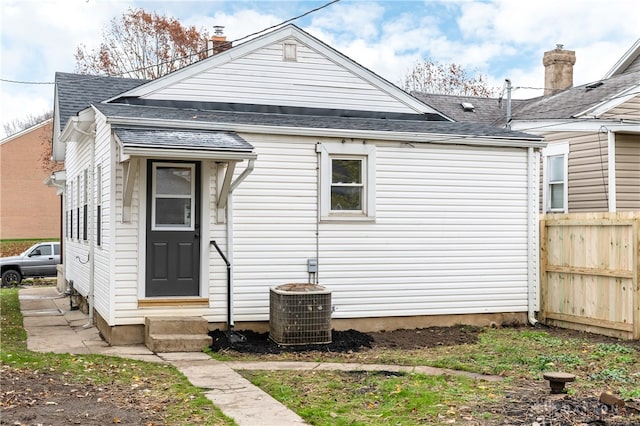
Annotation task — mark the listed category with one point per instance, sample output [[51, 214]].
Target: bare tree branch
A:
[[19, 124], [143, 45], [432, 77]]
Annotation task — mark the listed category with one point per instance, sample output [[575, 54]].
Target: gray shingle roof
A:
[[562, 105], [309, 121], [492, 111], [572, 101], [78, 91], [146, 137]]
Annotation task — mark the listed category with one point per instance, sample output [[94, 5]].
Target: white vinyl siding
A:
[[76, 252], [263, 77], [103, 196], [450, 235], [449, 238]]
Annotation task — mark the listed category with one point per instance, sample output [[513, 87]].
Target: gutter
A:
[[442, 138]]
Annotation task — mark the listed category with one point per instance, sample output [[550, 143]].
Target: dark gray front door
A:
[[173, 229]]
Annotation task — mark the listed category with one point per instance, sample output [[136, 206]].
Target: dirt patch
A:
[[526, 404], [42, 398]]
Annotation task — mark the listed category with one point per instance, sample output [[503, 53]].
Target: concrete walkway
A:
[[52, 326]]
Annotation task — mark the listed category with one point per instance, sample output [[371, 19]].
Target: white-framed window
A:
[[347, 181], [555, 174], [173, 196]]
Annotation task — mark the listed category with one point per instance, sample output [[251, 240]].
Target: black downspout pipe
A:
[[229, 325], [231, 335]]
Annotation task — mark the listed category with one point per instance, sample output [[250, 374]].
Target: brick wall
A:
[[28, 208]]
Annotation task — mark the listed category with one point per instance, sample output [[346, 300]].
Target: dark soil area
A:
[[46, 398]]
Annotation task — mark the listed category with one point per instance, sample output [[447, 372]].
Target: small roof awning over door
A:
[[175, 144], [181, 143]]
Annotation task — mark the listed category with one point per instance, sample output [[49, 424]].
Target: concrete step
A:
[[176, 325], [159, 343]]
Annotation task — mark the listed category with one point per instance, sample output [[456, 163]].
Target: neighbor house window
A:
[[555, 165], [347, 181]]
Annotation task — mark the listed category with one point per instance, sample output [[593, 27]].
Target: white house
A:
[[286, 153]]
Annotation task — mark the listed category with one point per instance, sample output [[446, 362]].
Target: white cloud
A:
[[499, 38], [361, 19]]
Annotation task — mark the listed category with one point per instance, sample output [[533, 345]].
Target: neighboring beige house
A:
[[28, 208], [592, 161]]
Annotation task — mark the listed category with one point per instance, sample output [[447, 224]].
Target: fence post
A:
[[543, 270], [636, 278]]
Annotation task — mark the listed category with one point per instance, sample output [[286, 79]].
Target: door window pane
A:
[[173, 196], [173, 181], [45, 250], [173, 211]]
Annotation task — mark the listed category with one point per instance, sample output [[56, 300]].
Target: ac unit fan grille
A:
[[299, 318]]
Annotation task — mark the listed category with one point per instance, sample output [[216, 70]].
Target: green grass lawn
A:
[[168, 389]]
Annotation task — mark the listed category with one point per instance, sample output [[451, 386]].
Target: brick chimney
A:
[[558, 69], [218, 42]]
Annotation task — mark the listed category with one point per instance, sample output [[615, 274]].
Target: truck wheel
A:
[[11, 277]]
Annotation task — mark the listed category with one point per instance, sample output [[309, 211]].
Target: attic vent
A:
[[593, 85], [468, 106], [290, 52], [300, 314]]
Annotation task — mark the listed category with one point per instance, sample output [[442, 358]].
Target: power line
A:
[[227, 43], [4, 80]]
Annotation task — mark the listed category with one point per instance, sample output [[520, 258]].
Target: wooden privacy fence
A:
[[589, 272]]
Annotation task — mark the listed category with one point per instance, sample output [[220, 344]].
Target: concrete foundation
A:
[[135, 334], [120, 335]]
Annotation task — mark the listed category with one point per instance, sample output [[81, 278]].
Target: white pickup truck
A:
[[39, 260]]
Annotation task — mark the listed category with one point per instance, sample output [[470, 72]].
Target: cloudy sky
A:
[[495, 38]]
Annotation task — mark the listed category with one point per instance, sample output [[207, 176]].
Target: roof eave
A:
[[610, 103], [626, 59], [186, 153], [459, 139]]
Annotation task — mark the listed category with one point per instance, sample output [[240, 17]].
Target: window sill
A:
[[369, 219]]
